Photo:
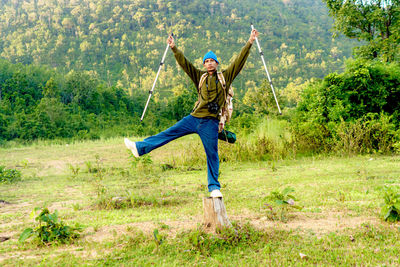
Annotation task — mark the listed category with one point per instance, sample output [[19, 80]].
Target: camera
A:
[[213, 107]]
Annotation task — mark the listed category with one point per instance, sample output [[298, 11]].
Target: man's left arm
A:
[[237, 65]]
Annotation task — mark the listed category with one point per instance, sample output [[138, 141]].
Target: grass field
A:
[[340, 223]]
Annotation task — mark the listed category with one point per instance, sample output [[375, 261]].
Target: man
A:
[[203, 120]]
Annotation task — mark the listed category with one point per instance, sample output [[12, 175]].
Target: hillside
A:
[[121, 41]]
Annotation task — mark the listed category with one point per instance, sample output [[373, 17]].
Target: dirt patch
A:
[[3, 203], [173, 228], [15, 208], [329, 222], [59, 167]]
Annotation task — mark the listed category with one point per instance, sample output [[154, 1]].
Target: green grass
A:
[[339, 224]]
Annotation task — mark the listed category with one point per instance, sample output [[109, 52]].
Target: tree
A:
[[374, 21]]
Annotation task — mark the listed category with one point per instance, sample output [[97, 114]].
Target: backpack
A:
[[225, 114]]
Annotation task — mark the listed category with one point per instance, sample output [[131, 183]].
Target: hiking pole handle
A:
[[155, 80], [266, 70]]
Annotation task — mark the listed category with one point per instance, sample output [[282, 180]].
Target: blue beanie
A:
[[210, 54]]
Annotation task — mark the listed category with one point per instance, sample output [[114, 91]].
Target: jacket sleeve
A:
[[193, 72], [237, 65]]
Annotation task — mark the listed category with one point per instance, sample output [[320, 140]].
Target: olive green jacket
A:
[[211, 90]]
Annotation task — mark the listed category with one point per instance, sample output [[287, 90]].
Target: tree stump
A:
[[215, 213]]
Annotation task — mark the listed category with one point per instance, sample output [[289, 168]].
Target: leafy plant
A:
[[142, 164], [50, 229], [391, 207], [159, 239], [226, 238], [74, 170], [9, 175], [282, 202]]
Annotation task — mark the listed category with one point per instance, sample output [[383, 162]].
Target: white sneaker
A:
[[216, 193], [132, 146]]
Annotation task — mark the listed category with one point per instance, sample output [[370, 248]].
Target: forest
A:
[[82, 69]]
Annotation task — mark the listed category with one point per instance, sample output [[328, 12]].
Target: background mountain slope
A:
[[122, 41]]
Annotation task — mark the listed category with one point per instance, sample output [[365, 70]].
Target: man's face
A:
[[210, 65]]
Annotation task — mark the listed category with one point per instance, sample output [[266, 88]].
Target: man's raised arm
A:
[[193, 72], [236, 66]]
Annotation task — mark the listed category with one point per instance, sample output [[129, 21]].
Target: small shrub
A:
[[9, 175], [50, 229], [281, 203], [158, 239], [143, 164], [74, 170], [371, 133], [391, 207], [133, 200], [226, 238]]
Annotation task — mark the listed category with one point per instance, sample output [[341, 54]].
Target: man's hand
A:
[[253, 35], [171, 41]]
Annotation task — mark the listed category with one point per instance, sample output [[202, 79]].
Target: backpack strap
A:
[[221, 79], [202, 80]]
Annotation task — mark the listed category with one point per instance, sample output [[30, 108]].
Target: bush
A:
[[280, 203], [9, 175], [207, 244], [353, 112], [391, 207], [50, 229], [373, 133]]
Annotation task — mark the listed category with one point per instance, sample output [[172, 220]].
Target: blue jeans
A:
[[206, 128]]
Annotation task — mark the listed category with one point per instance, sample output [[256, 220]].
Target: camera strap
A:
[[208, 92]]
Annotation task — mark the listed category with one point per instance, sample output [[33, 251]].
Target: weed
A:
[[103, 200], [133, 200], [164, 226], [159, 239], [226, 238], [282, 201], [23, 163], [99, 170], [89, 167], [50, 229], [341, 196], [201, 187], [166, 167], [74, 170], [9, 175], [391, 207], [76, 207], [142, 164]]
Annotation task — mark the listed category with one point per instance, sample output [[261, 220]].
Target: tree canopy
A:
[[375, 21]]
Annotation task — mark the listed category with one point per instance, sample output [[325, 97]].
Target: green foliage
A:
[[9, 175], [280, 202], [74, 170], [226, 238], [375, 21], [354, 112], [49, 229], [38, 104], [268, 139], [158, 239], [143, 164], [261, 99], [373, 133], [391, 207], [122, 41]]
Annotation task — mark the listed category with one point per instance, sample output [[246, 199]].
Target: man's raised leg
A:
[[181, 128]]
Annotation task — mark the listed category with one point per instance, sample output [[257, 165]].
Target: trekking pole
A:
[[154, 84], [266, 70]]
